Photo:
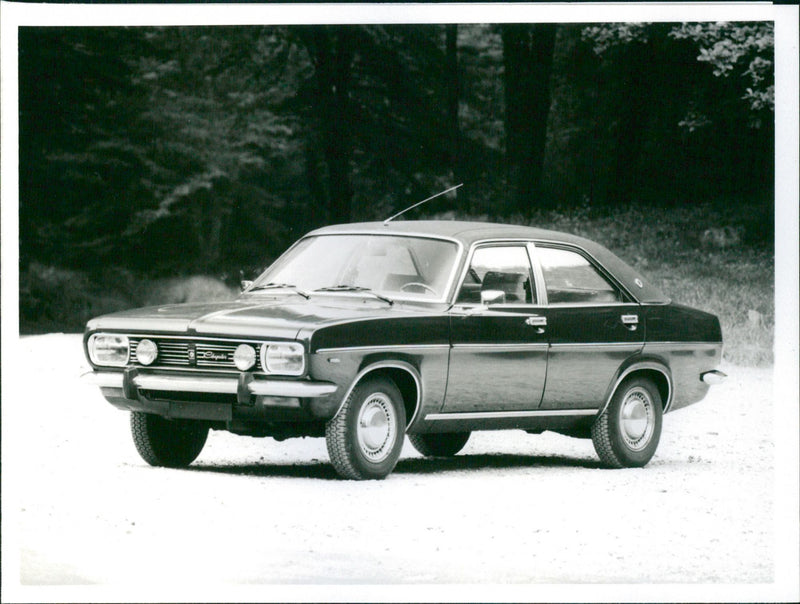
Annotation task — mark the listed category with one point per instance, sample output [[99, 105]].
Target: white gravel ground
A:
[[530, 512]]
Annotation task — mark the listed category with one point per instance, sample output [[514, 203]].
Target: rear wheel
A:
[[439, 445], [365, 438], [170, 443], [626, 434]]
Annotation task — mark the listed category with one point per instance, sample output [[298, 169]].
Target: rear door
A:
[[593, 326]]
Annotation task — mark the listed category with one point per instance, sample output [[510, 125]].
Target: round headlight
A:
[[244, 357], [146, 352]]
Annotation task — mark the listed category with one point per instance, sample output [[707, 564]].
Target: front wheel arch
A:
[[404, 376]]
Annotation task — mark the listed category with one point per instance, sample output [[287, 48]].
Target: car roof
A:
[[469, 233]]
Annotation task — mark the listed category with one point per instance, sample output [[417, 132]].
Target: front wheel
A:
[[170, 443], [439, 445], [626, 434], [365, 438]]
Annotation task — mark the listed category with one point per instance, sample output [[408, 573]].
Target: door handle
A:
[[538, 322], [630, 321]]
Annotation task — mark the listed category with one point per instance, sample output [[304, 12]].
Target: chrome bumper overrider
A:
[[213, 385]]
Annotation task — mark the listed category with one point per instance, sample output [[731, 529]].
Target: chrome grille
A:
[[215, 355], [208, 354]]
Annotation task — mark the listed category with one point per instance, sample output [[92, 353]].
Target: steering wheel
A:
[[418, 284]]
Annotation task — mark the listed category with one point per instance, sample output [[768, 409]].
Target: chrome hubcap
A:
[[636, 418], [377, 427]]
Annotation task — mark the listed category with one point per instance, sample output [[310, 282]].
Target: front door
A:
[[498, 360]]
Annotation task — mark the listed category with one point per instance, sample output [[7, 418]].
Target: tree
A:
[[213, 98], [729, 48], [374, 114], [332, 50], [81, 172], [527, 57], [453, 91], [669, 116]]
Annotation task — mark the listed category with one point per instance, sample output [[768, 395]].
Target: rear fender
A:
[[644, 365]]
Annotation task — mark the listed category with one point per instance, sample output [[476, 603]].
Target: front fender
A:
[[346, 367]]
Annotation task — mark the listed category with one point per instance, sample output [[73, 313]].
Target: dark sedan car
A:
[[363, 333]]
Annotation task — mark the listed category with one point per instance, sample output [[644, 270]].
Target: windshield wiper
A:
[[355, 288], [263, 286]]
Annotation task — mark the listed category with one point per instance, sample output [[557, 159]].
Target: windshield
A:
[[398, 267]]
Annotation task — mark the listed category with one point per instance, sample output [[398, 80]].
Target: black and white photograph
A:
[[400, 302]]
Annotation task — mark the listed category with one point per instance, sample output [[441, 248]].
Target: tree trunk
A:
[[527, 58], [332, 51], [453, 97]]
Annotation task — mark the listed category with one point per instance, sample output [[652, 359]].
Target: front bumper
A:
[[212, 397], [211, 385]]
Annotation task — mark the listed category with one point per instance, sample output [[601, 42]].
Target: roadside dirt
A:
[[511, 509]]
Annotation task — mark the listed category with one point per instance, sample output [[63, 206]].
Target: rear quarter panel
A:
[[689, 342]]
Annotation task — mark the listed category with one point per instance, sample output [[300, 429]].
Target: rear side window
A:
[[572, 279]]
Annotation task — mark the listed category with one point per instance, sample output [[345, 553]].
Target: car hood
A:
[[282, 318]]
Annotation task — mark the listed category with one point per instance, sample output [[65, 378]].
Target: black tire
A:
[[626, 434], [366, 436], [439, 445], [168, 443]]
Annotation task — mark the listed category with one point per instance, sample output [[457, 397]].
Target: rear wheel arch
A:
[[656, 372]]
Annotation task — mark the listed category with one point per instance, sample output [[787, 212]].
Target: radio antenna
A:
[[419, 203]]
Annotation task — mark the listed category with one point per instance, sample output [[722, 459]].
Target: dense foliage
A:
[[211, 148]]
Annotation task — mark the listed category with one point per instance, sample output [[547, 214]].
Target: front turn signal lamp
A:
[[108, 349], [283, 358]]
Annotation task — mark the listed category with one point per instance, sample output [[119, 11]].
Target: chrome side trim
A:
[[381, 365], [639, 367], [594, 346], [405, 347], [681, 345], [509, 414], [215, 385], [491, 347]]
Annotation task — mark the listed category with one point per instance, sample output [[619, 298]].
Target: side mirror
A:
[[245, 284], [493, 296]]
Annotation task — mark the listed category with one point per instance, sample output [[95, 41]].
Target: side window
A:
[[501, 268], [571, 279]]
